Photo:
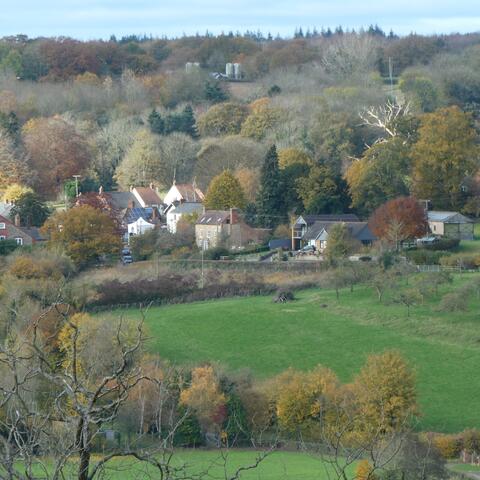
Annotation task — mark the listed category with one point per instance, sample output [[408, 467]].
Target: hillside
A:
[[256, 334]]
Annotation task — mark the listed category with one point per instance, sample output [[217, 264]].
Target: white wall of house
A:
[[437, 228], [172, 196], [139, 227], [172, 219]]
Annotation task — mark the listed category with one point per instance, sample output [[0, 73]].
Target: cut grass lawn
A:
[[277, 466], [257, 334]]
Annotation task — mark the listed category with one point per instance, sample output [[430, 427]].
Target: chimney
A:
[[100, 190], [131, 188], [131, 204], [152, 186], [17, 220], [234, 216]]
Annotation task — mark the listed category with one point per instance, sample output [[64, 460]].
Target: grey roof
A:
[[334, 217], [133, 214], [34, 233], [187, 208], [447, 217], [358, 230], [214, 217], [120, 200]]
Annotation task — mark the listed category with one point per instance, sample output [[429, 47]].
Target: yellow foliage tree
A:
[[84, 232], [445, 153], [302, 398], [249, 181], [262, 118], [385, 394], [14, 191], [293, 156], [225, 192], [364, 471], [204, 395]]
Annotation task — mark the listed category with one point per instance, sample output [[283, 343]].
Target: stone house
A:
[[226, 228], [451, 225], [22, 235]]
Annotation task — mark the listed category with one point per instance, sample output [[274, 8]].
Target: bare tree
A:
[[385, 117]]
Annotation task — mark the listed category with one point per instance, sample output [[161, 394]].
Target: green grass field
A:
[[257, 334], [277, 466]]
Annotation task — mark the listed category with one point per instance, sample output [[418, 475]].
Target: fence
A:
[[296, 266], [443, 268]]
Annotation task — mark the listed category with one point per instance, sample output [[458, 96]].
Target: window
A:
[[19, 240], [3, 237], [2, 226]]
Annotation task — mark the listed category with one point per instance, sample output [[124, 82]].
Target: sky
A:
[[89, 19]]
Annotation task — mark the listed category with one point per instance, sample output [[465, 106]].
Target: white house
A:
[[139, 227], [175, 211], [183, 193]]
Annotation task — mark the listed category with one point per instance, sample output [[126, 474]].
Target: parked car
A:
[[126, 251], [306, 250], [127, 259]]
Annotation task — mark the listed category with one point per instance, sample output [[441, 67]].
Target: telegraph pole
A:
[[76, 177]]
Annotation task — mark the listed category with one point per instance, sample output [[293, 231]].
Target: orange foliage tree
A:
[[56, 152], [399, 219]]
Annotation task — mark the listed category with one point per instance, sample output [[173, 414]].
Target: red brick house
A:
[[23, 236]]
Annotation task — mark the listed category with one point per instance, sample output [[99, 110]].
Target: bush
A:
[[463, 260], [284, 296], [449, 446], [173, 288], [7, 246], [422, 256], [216, 253], [443, 244]]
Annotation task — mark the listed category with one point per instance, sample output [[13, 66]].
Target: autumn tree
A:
[[262, 118], [293, 156], [249, 182], [205, 397], [141, 165], [444, 155], [223, 119], [56, 152], [225, 192], [270, 201], [385, 394], [303, 399], [399, 219], [321, 191], [14, 191], [380, 175], [231, 152], [85, 233], [13, 167]]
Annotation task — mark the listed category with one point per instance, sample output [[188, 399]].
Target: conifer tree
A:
[[156, 122], [270, 200], [189, 125]]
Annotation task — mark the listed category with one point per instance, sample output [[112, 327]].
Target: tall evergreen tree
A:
[[189, 125], [270, 200], [156, 122]]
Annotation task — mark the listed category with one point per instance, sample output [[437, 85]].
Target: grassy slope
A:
[[267, 338]]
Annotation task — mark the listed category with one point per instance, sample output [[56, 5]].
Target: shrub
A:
[[443, 244], [454, 302], [423, 256], [449, 446], [216, 253], [284, 296], [463, 260]]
